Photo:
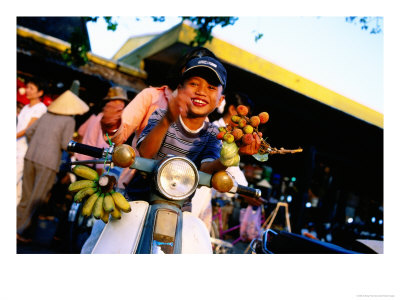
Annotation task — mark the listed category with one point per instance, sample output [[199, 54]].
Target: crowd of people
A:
[[154, 122]]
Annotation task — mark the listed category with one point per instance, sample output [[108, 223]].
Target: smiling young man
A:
[[182, 129]]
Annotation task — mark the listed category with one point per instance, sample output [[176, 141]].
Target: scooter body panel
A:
[[156, 239], [134, 231], [122, 236], [195, 236]]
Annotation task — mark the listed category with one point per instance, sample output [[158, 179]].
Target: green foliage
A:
[[77, 54], [205, 25], [158, 19], [257, 35], [373, 24], [110, 24]]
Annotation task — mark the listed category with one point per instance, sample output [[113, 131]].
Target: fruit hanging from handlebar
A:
[[106, 183], [102, 201], [86, 172]]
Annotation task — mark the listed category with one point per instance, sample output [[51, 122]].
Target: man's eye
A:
[[211, 87]]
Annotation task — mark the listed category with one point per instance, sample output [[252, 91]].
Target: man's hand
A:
[[211, 167], [251, 148], [179, 105]]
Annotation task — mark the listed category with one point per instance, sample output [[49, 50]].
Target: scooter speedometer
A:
[[177, 178]]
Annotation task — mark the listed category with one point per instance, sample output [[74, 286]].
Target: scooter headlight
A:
[[177, 178]]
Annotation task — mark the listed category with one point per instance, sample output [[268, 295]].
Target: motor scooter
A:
[[157, 226]]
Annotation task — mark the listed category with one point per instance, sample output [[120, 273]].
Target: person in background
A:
[[26, 118], [201, 202], [227, 109], [20, 105], [47, 137], [95, 130], [137, 113]]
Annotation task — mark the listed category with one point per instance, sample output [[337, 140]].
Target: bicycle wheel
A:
[[221, 247], [214, 232]]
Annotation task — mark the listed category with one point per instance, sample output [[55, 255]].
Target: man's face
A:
[[204, 96], [32, 91]]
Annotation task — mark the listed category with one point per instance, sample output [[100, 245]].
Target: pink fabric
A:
[[91, 135], [137, 113], [135, 118]]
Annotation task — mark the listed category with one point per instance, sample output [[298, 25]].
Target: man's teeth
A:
[[199, 101]]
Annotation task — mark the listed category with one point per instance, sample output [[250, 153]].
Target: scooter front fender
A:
[[195, 236]]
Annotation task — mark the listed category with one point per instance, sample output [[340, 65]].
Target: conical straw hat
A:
[[264, 183], [68, 104]]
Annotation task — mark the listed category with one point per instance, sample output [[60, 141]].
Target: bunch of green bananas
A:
[[100, 202]]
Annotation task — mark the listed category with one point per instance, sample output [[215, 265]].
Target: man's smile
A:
[[199, 102]]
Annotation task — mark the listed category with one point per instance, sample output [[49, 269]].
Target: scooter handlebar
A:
[[85, 149], [99, 153], [248, 191]]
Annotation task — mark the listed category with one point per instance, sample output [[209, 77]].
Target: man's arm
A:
[[151, 144], [68, 133], [216, 165], [211, 167]]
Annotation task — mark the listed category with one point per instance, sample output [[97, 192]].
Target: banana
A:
[[120, 201], [81, 184], [84, 193], [85, 172], [108, 203], [116, 213], [98, 207], [105, 216], [89, 203]]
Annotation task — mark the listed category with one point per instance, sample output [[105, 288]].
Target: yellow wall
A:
[[132, 44]]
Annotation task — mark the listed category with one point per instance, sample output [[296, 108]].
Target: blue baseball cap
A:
[[211, 64]]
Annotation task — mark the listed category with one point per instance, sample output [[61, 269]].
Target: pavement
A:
[[51, 237], [240, 247]]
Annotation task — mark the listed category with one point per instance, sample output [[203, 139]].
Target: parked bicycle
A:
[[219, 234]]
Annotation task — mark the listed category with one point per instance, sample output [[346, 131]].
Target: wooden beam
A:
[[61, 46]]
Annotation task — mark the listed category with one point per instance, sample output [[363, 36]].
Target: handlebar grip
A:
[[85, 149], [248, 191]]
